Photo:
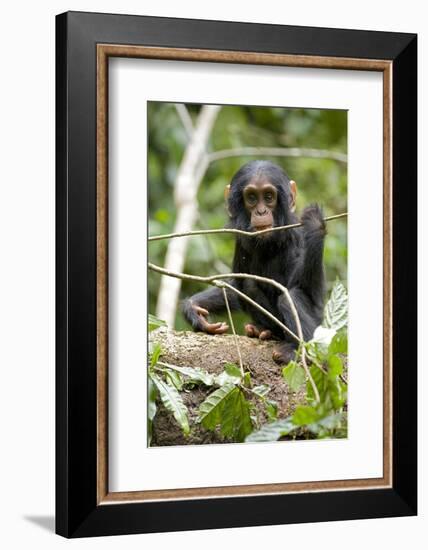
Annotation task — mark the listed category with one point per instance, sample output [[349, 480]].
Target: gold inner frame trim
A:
[[104, 51]]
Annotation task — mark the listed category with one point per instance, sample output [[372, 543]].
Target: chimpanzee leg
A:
[[309, 316]]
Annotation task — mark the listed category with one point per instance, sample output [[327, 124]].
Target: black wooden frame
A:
[[77, 512]]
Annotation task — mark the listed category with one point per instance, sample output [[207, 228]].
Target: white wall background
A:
[[27, 271]]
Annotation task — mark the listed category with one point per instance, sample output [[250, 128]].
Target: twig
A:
[[302, 344], [220, 284], [277, 152], [226, 301], [215, 280], [236, 231], [185, 118]]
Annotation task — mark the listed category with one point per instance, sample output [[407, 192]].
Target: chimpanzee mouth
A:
[[262, 227]]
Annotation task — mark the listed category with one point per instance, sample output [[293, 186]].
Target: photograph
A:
[[234, 257], [213, 220], [247, 274]]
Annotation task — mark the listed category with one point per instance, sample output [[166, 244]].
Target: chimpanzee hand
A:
[[313, 219], [200, 322]]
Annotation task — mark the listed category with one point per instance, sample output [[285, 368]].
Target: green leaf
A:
[[210, 409], [336, 309], [320, 380], [228, 377], [247, 380], [272, 431], [316, 352], [228, 409], [335, 366], [155, 354], [262, 390], [233, 371], [151, 407], [327, 425], [195, 374], [152, 395], [332, 422], [272, 409], [304, 414], [294, 375], [339, 343], [172, 402], [338, 394], [174, 378], [155, 323], [332, 391], [235, 418]]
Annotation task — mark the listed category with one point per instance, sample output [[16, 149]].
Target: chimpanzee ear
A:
[[226, 198], [293, 188], [226, 192]]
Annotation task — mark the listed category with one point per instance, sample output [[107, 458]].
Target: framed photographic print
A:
[[236, 274]]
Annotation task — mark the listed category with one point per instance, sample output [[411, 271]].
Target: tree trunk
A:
[[212, 353], [190, 174]]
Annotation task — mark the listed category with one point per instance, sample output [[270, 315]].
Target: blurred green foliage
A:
[[318, 180]]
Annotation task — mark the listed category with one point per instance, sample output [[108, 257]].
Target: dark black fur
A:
[[293, 257]]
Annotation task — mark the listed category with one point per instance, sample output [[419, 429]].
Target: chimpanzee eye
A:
[[268, 197], [251, 198]]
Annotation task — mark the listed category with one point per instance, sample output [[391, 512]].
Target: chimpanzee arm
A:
[[197, 308], [312, 277]]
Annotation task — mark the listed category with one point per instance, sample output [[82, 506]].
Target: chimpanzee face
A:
[[261, 196], [260, 200]]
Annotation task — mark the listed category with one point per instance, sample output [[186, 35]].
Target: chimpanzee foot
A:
[[254, 332], [251, 331], [284, 353]]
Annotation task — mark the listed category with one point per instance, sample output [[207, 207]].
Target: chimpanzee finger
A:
[[221, 330], [201, 310], [209, 327]]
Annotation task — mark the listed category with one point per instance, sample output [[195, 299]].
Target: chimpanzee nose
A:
[[262, 212]]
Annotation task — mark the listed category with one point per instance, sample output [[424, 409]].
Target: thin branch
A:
[[215, 280], [185, 118], [302, 345], [220, 284], [226, 301], [202, 168], [277, 152], [237, 231]]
